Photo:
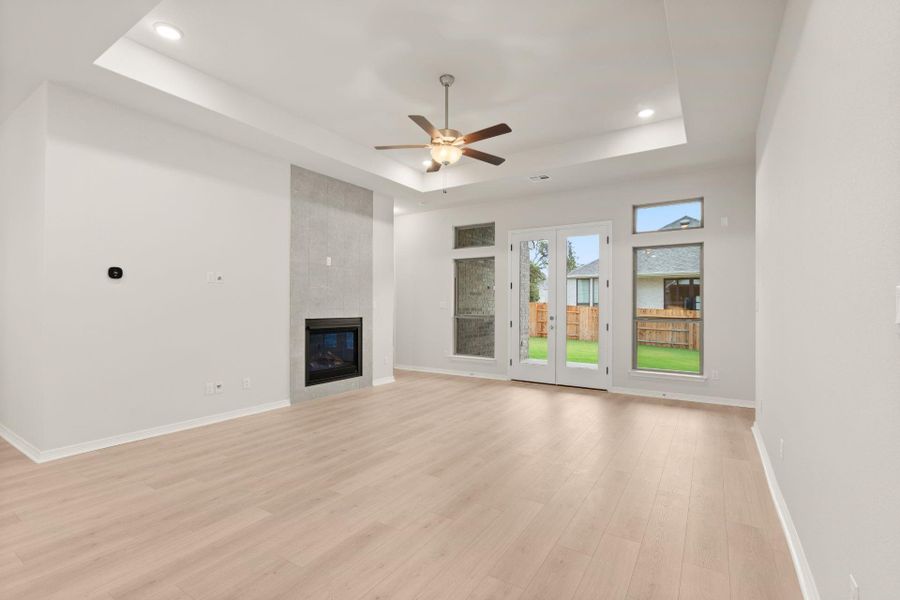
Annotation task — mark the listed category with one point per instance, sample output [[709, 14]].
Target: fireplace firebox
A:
[[333, 350]]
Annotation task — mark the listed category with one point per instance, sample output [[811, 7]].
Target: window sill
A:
[[670, 376], [463, 358]]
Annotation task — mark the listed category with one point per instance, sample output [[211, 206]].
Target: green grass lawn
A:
[[649, 357], [668, 359], [576, 350]]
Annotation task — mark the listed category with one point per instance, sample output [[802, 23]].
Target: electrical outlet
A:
[[220, 387], [210, 388], [781, 448], [246, 384], [210, 277], [724, 221], [854, 588], [714, 374]]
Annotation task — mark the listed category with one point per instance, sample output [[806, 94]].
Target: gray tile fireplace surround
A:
[[329, 218]]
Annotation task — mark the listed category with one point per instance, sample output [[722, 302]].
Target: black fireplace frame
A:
[[334, 326]]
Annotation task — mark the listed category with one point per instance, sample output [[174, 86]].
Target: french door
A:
[[560, 305]]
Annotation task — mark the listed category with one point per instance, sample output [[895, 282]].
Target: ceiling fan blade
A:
[[434, 166], [483, 134], [426, 125], [401, 146], [479, 155]]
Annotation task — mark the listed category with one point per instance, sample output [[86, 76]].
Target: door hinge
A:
[[510, 362], [607, 326], [510, 323], [607, 370], [607, 239], [607, 283], [510, 285], [510, 247]]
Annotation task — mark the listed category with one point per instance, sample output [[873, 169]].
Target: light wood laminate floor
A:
[[432, 487]]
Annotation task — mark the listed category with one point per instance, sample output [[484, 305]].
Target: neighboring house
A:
[[684, 222], [583, 285], [668, 277]]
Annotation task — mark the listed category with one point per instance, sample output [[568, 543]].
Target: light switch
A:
[[327, 261], [442, 304], [724, 221], [897, 319]]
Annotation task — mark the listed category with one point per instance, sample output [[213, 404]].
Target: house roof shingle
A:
[[592, 269], [684, 222], [674, 260]]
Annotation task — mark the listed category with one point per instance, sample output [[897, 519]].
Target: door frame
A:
[[606, 345]]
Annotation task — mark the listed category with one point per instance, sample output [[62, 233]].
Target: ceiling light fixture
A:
[[168, 31], [646, 113], [445, 153]]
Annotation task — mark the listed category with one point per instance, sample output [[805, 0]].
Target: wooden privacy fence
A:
[[583, 323], [680, 333]]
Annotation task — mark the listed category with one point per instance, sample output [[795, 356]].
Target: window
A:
[[473, 236], [595, 284], [583, 292], [473, 316], [668, 216], [668, 309], [682, 293]]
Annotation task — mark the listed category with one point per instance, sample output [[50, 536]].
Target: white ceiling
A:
[[554, 71], [319, 82]]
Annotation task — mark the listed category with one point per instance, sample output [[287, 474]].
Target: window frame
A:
[[635, 207], [635, 319], [455, 315], [456, 228]]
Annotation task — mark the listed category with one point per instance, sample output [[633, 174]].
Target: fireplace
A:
[[333, 350]]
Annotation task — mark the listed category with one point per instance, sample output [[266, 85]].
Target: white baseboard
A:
[[42, 456], [801, 565], [20, 443], [494, 376], [383, 380], [684, 397]]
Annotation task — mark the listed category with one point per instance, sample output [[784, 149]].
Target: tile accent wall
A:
[[329, 218]]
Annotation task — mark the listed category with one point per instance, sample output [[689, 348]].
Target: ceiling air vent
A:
[[536, 178]]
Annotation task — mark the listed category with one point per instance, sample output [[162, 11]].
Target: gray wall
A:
[[828, 261], [329, 218]]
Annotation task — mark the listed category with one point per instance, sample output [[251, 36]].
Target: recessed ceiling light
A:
[[646, 113], [168, 31]]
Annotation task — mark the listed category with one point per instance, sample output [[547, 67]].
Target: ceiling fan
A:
[[447, 145]]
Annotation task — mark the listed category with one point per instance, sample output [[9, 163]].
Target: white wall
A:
[[828, 259], [424, 274], [168, 205], [383, 292], [22, 139], [87, 184]]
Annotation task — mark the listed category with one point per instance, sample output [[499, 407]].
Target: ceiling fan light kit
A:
[[447, 145]]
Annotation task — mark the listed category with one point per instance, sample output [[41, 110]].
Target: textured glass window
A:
[[473, 236], [473, 318]]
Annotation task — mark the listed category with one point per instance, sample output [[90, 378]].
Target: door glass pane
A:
[[534, 282], [582, 312]]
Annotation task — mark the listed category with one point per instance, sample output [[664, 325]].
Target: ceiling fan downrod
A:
[[447, 80]]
